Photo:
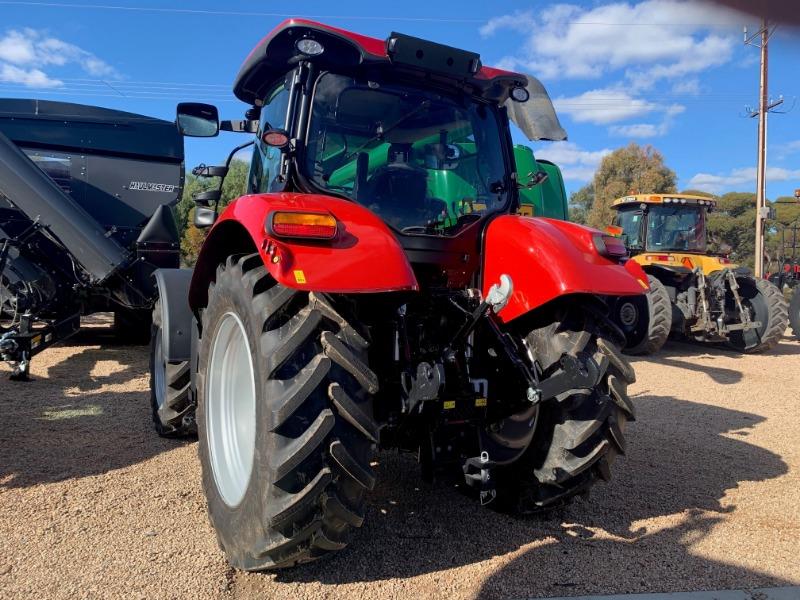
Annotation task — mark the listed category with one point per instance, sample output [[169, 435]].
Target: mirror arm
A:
[[240, 126], [227, 167]]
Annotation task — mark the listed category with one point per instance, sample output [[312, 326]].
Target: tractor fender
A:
[[547, 259], [176, 316], [635, 269], [365, 257]]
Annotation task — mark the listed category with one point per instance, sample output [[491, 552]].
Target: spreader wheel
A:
[[172, 409], [284, 419]]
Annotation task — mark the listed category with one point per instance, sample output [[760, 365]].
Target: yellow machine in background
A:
[[692, 293]]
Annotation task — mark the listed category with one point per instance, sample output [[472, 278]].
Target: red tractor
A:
[[377, 288]]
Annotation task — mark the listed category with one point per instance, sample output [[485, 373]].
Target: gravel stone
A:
[[94, 504]]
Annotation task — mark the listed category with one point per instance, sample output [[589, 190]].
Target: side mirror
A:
[[204, 217], [535, 178], [197, 120], [207, 198]]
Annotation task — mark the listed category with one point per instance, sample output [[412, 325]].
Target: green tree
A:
[[191, 187], [782, 240], [731, 226], [697, 193], [633, 169], [580, 204], [192, 238]]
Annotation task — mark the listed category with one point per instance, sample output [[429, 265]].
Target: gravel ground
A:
[[93, 504]]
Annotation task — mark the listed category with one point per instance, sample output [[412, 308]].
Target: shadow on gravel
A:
[[789, 346], [677, 355], [84, 418], [682, 458]]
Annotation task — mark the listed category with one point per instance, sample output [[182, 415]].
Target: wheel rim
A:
[[159, 370], [231, 410]]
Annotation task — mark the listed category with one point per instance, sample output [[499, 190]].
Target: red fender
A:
[[364, 257], [546, 258]]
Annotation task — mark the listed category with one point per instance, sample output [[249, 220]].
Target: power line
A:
[[62, 92], [230, 13]]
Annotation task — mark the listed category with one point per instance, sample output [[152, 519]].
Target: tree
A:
[[782, 239], [731, 226], [192, 238], [697, 193], [580, 204], [633, 169]]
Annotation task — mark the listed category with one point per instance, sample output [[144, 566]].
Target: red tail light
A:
[[660, 257], [305, 225], [610, 246]]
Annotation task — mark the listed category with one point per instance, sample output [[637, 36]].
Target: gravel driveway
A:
[[93, 504]]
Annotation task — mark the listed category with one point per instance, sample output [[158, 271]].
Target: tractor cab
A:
[[415, 131], [666, 229]]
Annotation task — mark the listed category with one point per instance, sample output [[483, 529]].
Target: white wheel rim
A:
[[231, 410], [159, 371]]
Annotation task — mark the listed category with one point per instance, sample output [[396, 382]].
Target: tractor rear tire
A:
[[645, 320], [794, 312], [578, 434], [284, 419], [170, 401], [767, 305]]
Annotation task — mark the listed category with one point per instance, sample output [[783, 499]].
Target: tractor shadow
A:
[[682, 355], [681, 461], [85, 415]]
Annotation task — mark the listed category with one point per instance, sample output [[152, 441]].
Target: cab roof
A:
[[276, 53], [664, 199]]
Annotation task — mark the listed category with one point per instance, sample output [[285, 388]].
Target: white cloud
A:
[[648, 130], [603, 106], [26, 53], [638, 130], [651, 40], [577, 164], [518, 21], [783, 151], [686, 86], [739, 178], [28, 77]]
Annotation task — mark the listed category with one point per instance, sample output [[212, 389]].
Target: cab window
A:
[[265, 165]]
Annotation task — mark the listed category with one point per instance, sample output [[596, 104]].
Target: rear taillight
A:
[[610, 246], [305, 225], [660, 257]]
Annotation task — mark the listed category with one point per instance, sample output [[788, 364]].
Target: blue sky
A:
[[669, 73]]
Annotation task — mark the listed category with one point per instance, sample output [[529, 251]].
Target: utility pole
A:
[[764, 107]]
